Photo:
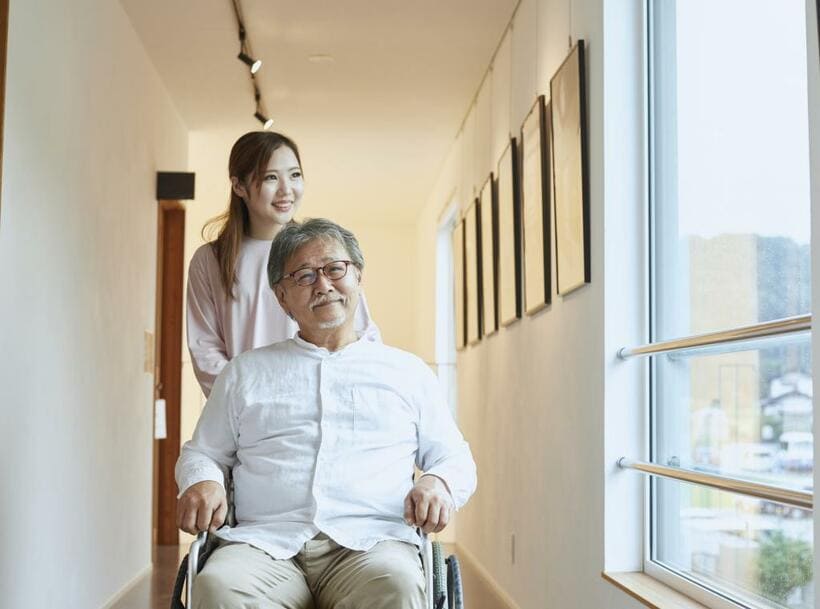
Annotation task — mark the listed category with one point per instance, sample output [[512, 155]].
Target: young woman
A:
[[231, 307]]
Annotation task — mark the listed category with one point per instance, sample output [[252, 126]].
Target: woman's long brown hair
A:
[[248, 162]]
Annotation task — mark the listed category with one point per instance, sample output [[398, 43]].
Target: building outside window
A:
[[730, 231]]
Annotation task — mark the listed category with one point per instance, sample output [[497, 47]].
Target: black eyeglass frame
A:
[[316, 270]]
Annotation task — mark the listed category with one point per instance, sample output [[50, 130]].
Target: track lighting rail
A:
[[254, 64]]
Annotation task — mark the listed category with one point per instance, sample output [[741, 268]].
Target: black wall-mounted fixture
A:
[[175, 185]]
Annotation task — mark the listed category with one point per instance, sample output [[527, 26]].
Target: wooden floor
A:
[[154, 590]]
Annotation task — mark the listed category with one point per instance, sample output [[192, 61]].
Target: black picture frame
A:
[[535, 209], [472, 274], [509, 236], [570, 170], [488, 246]]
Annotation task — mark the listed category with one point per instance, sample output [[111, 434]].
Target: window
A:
[[729, 247], [445, 365]]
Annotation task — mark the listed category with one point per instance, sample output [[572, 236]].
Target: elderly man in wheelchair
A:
[[322, 434]]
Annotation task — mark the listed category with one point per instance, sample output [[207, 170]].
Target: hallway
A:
[[548, 194]]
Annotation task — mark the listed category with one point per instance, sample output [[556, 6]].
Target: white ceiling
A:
[[374, 124]]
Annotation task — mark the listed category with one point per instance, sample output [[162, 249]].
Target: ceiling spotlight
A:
[[267, 123], [253, 64]]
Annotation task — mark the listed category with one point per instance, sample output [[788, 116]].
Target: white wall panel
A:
[[468, 186], [501, 82], [524, 35], [625, 213], [553, 39], [483, 133]]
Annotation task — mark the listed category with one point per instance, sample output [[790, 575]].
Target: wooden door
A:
[[168, 372]]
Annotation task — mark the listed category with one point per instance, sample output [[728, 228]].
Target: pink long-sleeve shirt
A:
[[220, 328]]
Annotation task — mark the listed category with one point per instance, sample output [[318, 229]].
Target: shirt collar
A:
[[321, 351]]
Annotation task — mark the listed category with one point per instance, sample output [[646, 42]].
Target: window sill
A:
[[650, 591]]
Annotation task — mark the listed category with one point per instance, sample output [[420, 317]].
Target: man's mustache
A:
[[323, 301]]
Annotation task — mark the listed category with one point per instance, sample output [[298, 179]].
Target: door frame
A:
[[168, 364]]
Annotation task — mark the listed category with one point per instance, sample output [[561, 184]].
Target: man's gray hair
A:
[[295, 235]]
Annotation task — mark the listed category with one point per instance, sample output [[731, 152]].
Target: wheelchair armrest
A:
[[427, 563]]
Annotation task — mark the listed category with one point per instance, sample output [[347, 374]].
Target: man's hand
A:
[[428, 505], [202, 507]]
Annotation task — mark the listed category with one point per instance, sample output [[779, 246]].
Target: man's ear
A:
[[280, 296], [238, 188]]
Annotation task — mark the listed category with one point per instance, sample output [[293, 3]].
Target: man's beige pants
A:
[[324, 575]]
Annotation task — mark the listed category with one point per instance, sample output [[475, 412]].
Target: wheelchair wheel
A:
[[439, 577], [455, 594]]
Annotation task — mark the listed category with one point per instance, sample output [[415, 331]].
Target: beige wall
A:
[[88, 123], [531, 396]]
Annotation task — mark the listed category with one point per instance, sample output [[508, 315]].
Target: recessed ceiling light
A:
[[321, 58]]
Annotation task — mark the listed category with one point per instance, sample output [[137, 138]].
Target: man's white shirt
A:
[[323, 441]]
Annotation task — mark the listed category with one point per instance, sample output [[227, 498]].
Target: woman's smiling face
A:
[[276, 197]]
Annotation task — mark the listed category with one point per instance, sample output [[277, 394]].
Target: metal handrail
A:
[[767, 329], [791, 497]]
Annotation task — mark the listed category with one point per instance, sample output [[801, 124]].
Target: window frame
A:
[[678, 581]]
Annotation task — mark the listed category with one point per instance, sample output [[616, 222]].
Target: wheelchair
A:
[[442, 575]]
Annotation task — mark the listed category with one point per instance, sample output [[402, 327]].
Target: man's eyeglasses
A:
[[332, 270]]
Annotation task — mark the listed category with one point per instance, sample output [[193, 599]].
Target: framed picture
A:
[[535, 208], [458, 276], [489, 259], [570, 172], [472, 270], [509, 236]]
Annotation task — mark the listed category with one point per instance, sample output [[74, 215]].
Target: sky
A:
[[742, 118]]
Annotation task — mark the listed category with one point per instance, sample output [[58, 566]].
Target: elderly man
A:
[[322, 433]]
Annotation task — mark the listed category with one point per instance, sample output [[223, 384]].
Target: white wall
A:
[[531, 397], [87, 125]]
